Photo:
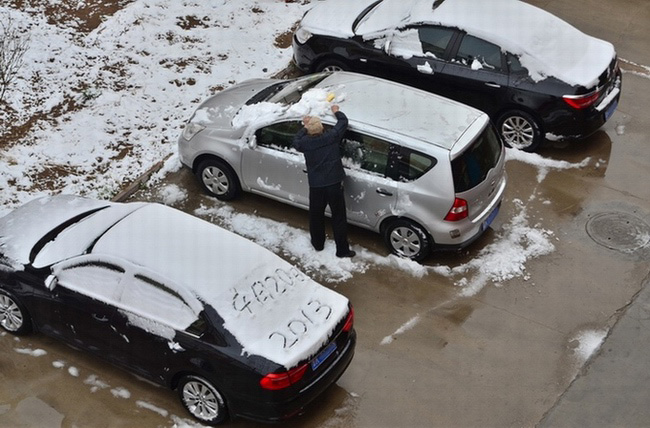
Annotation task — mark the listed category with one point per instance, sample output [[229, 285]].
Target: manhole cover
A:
[[619, 231]]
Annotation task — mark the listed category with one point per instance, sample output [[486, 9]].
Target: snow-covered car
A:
[[235, 329], [538, 77], [424, 171]]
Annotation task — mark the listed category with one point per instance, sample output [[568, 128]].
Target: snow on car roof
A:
[[23, 227], [547, 45], [272, 309], [379, 103], [335, 17], [402, 109]]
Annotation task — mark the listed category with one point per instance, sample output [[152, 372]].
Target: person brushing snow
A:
[[325, 175]]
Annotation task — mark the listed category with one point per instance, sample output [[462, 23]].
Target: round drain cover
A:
[[619, 231]]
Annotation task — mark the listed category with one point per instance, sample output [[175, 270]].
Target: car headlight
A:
[[302, 35], [191, 129]]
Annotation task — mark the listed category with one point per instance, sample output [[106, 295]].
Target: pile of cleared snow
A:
[[505, 258]]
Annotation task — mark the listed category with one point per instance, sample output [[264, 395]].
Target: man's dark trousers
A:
[[319, 198]]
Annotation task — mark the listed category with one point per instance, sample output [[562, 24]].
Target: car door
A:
[[147, 317], [370, 192], [85, 293], [416, 55], [476, 74], [273, 168]]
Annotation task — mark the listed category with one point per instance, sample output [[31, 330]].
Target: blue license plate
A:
[[610, 110], [490, 219], [316, 362]]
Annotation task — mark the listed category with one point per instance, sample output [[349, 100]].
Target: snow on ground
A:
[[587, 343], [136, 78]]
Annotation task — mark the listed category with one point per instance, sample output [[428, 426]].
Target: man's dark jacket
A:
[[322, 153]]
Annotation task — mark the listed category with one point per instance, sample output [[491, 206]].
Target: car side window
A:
[[278, 136], [434, 40], [98, 280], [413, 164], [363, 152], [479, 54], [515, 66], [152, 299]]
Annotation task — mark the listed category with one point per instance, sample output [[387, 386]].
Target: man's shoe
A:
[[348, 254], [318, 248]]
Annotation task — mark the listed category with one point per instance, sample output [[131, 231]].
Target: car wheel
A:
[[218, 179], [13, 316], [202, 400], [331, 65], [520, 130], [407, 239]]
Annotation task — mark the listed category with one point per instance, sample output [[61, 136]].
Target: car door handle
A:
[[101, 318], [383, 192], [492, 85]]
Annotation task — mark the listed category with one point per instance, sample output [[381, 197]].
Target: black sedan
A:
[[236, 330], [536, 76]]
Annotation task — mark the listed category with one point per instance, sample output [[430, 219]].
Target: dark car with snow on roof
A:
[[538, 77], [236, 330]]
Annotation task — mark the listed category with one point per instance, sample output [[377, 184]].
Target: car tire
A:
[[519, 130], [407, 239], [13, 315], [218, 179], [332, 65], [202, 400]]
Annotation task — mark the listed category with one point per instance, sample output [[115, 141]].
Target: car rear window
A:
[[472, 166]]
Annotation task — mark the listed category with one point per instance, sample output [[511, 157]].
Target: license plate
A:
[[490, 219], [610, 110], [316, 362]]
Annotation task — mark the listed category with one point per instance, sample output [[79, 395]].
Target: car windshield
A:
[[472, 166], [287, 92]]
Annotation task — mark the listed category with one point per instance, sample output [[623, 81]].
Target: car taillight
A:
[[283, 380], [580, 102], [349, 322], [458, 211]]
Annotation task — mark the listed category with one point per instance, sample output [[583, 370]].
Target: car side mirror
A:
[[50, 282], [252, 142]]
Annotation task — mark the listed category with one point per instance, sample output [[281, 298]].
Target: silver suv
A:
[[423, 171]]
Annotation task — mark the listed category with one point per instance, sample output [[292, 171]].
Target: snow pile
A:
[[32, 352], [312, 103], [588, 342], [543, 164], [505, 258]]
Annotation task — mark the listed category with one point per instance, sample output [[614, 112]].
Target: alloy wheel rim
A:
[[215, 180], [11, 318], [405, 241], [332, 68], [201, 400], [518, 132]]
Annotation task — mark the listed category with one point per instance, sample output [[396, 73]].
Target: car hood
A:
[[334, 17], [24, 227], [269, 306], [218, 110]]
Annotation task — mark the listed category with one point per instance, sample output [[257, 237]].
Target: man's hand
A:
[[335, 108]]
